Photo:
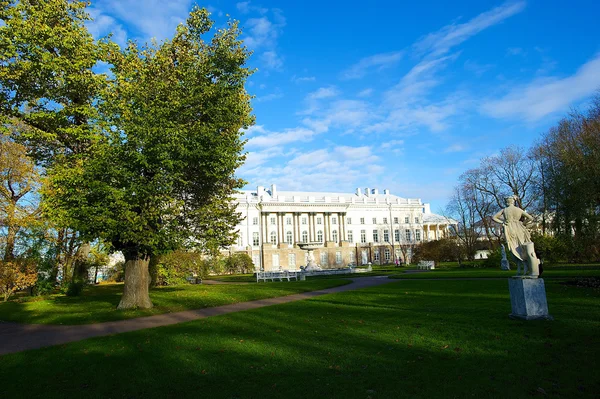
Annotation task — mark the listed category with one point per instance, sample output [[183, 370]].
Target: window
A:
[[338, 257], [396, 220], [273, 238], [387, 255], [292, 260], [289, 238], [323, 258], [417, 220], [334, 235], [349, 220], [240, 240], [334, 220], [255, 241], [418, 235], [255, 221], [375, 236], [363, 236], [386, 236], [406, 220], [288, 220], [319, 236], [273, 220], [256, 261], [304, 220], [362, 220], [351, 257], [319, 220], [407, 234], [304, 236], [376, 256], [384, 220], [397, 235], [350, 237], [374, 220]]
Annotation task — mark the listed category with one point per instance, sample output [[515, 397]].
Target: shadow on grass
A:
[[98, 303], [378, 342]]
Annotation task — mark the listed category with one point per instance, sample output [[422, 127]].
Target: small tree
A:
[[15, 276]]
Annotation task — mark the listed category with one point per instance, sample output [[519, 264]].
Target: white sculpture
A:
[[518, 238]]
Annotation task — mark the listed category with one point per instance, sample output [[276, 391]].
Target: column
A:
[[310, 227], [294, 226], [263, 222], [342, 219], [326, 227]]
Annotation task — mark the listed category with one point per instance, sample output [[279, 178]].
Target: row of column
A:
[[312, 226]]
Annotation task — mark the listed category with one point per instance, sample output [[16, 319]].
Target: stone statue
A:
[[504, 264], [518, 238]]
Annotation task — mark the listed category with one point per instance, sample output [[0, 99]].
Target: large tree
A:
[[48, 86], [162, 173]]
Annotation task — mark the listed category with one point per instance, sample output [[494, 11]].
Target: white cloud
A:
[[455, 148], [149, 18], [302, 79], [542, 97], [272, 60], [377, 62], [272, 139], [334, 169], [268, 97], [244, 7], [365, 93], [442, 41], [323, 92], [103, 25]]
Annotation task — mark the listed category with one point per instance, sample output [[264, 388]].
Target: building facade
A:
[[355, 228]]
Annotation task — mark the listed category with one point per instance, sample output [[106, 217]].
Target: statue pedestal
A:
[[528, 299]]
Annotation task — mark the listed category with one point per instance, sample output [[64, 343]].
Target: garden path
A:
[[16, 337]]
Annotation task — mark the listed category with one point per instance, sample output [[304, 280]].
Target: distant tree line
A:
[[557, 180]]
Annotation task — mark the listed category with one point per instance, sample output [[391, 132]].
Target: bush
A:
[[75, 288], [116, 274], [239, 263], [44, 287], [16, 276]]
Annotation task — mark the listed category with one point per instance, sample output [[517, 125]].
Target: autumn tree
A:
[[19, 181], [162, 174]]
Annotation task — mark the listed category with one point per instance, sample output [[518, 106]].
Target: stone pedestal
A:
[[528, 298]]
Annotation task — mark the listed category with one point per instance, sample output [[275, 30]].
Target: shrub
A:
[[239, 263], [75, 288], [15, 276], [43, 287]]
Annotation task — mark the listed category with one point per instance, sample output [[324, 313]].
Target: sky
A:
[[390, 94]]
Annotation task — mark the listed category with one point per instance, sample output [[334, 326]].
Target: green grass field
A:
[[558, 271], [98, 303], [416, 339]]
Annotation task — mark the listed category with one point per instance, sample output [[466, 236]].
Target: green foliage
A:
[[444, 250], [75, 288], [162, 170], [44, 287], [239, 263], [179, 266]]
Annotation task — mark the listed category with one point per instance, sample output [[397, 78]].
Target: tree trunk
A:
[[153, 269], [137, 279]]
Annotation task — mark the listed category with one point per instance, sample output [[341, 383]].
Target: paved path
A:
[[16, 337]]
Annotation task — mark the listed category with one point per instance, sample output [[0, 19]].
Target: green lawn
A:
[[98, 303], [414, 339], [550, 272]]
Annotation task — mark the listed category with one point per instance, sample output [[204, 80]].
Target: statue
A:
[[518, 238]]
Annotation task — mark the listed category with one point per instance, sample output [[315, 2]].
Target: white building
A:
[[355, 228]]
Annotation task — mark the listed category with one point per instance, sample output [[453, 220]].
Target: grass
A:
[[417, 339], [556, 271], [98, 303]]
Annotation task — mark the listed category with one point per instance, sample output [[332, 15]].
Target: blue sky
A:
[[391, 94]]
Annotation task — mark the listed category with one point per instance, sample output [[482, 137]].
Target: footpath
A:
[[16, 337]]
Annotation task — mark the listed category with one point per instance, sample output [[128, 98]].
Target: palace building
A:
[[355, 228]]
